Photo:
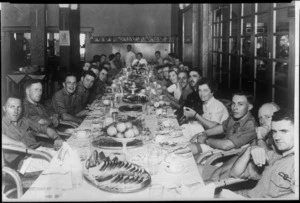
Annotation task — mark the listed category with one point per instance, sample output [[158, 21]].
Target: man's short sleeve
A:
[[59, 104], [245, 135], [225, 124]]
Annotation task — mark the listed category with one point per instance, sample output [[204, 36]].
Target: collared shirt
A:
[[24, 131], [97, 90], [129, 57], [214, 110], [277, 179], [83, 94], [37, 111], [184, 94], [240, 132], [63, 102]]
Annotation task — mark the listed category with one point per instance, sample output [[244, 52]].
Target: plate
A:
[[134, 99], [109, 143], [130, 108], [117, 176]]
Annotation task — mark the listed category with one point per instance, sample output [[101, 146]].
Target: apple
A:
[[111, 131], [128, 125], [135, 130], [129, 133], [120, 135], [121, 127]]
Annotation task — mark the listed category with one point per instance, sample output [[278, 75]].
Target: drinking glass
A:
[[156, 191], [84, 147], [153, 164], [54, 188]]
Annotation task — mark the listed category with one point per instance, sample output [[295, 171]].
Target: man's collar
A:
[[286, 153], [9, 122], [66, 92], [244, 119], [80, 83], [26, 101]]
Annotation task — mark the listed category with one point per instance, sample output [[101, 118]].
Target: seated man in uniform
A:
[[34, 109], [264, 139], [274, 168], [98, 89], [66, 102], [22, 131], [84, 86], [239, 128]]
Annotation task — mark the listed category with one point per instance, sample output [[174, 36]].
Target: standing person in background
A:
[[118, 63], [158, 61], [129, 57]]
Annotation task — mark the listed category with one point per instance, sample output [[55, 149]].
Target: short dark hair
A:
[[249, 96], [89, 72], [177, 57], [15, 96], [103, 68], [68, 75], [111, 56], [159, 67], [210, 83], [117, 53], [173, 70], [96, 58], [197, 70], [30, 82], [102, 55], [157, 52], [167, 65], [140, 54], [129, 45], [284, 114]]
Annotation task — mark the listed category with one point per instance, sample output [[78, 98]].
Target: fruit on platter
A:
[[123, 130], [121, 127], [112, 131], [129, 133]]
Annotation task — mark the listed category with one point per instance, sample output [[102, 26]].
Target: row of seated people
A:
[[208, 113], [211, 125]]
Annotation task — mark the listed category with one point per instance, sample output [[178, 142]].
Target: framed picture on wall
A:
[[64, 38]]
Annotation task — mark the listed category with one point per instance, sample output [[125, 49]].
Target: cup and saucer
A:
[[176, 168]]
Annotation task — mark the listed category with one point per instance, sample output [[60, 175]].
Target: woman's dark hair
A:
[[210, 83]]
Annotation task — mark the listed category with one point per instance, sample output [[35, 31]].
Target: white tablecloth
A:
[[88, 192]]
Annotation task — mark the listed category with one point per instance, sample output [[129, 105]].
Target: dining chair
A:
[[25, 179], [211, 156]]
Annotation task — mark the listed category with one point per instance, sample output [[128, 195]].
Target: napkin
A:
[[227, 194], [36, 163]]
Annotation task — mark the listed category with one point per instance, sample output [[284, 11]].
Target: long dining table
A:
[[186, 185]]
